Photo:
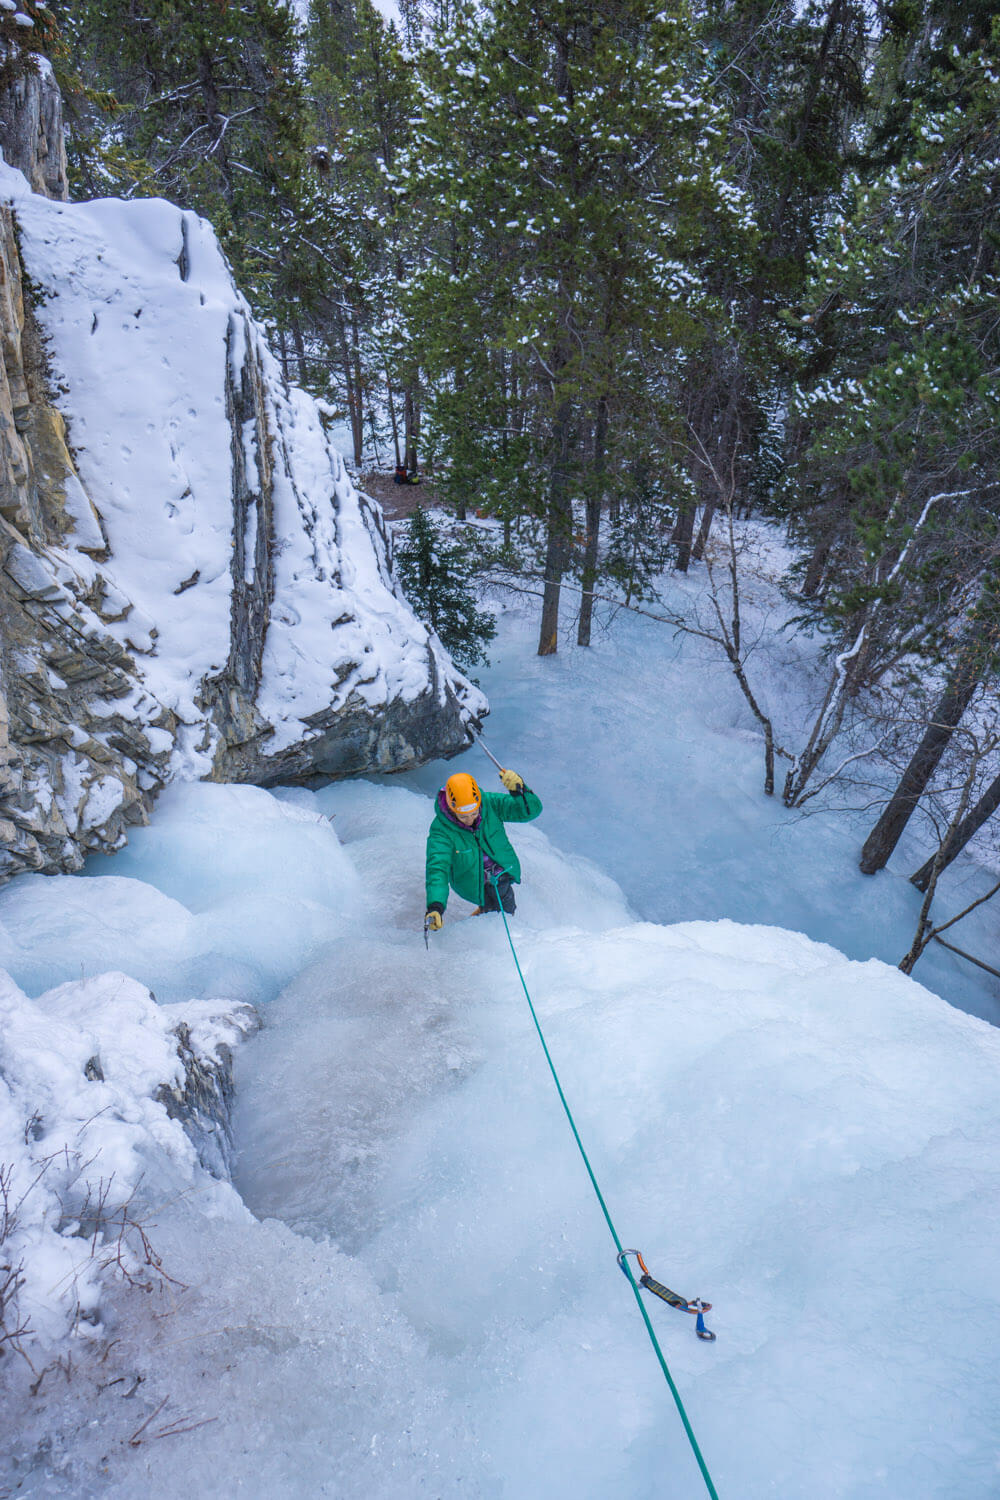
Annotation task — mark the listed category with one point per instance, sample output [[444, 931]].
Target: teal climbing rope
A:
[[622, 1255]]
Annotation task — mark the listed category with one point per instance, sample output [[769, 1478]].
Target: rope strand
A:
[[607, 1216]]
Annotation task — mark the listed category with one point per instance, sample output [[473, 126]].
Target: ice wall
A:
[[427, 1300]]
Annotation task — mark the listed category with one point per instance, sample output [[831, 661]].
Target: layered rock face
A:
[[70, 756], [31, 131], [190, 586]]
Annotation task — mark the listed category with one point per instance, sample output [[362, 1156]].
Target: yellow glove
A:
[[434, 921], [512, 781]]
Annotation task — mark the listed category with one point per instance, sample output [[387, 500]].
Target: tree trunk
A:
[[960, 835], [698, 551], [815, 569], [459, 502], [351, 392], [683, 535], [374, 430], [851, 667], [849, 671], [358, 408], [411, 423], [392, 418], [300, 349], [559, 526], [214, 117], [926, 930], [595, 500], [913, 783]]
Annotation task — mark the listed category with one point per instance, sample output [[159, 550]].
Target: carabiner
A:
[[696, 1306]]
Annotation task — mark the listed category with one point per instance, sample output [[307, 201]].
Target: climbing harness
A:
[[623, 1254], [695, 1305]]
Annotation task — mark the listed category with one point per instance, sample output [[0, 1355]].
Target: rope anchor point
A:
[[692, 1305]]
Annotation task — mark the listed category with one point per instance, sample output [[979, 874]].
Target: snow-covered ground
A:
[[427, 1301]]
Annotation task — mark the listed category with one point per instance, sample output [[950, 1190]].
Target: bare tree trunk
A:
[[351, 392], [358, 408], [595, 500], [731, 636], [715, 478], [850, 665], [215, 118], [815, 568], [957, 838], [559, 526], [392, 418], [300, 349], [926, 930], [955, 699], [371, 423], [283, 353], [411, 422], [683, 534], [461, 508], [849, 670], [707, 517]]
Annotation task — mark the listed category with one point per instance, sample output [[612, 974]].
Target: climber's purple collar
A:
[[443, 807]]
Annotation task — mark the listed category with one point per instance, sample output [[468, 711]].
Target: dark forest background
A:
[[628, 277]]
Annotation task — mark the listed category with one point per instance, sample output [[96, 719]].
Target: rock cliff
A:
[[31, 129], [190, 585]]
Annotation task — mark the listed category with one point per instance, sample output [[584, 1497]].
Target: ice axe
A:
[[487, 751]]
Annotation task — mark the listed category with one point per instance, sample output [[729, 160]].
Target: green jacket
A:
[[455, 854]]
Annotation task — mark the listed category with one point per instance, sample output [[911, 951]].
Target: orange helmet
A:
[[462, 793]]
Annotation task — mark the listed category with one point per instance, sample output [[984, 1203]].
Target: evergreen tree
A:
[[896, 488], [790, 78], [438, 579], [563, 157], [28, 31], [202, 105], [359, 249]]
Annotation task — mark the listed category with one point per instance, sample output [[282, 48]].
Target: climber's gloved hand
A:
[[434, 921], [512, 782]]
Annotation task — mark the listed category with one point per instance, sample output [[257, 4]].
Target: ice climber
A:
[[467, 845]]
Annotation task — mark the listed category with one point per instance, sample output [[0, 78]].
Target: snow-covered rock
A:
[[190, 585], [97, 1083]]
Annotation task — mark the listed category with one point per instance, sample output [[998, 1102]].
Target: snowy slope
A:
[[430, 1303]]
